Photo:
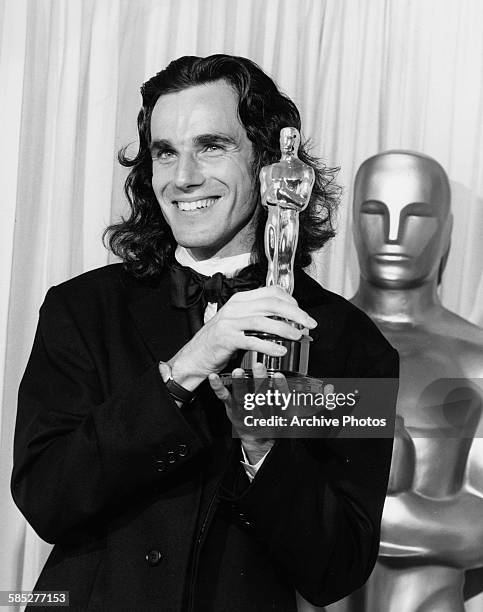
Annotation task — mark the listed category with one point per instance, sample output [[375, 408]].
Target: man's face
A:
[[401, 221], [202, 170]]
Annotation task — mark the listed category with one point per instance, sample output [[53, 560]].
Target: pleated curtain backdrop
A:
[[367, 75]]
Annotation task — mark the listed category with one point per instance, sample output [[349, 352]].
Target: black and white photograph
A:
[[241, 305]]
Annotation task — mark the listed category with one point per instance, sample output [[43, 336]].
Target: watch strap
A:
[[177, 391]]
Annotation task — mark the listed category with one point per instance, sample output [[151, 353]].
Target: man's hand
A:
[[255, 447], [209, 351]]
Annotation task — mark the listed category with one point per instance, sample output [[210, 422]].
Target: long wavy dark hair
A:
[[144, 240]]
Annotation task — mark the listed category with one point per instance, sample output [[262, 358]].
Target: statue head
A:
[[289, 141], [401, 219]]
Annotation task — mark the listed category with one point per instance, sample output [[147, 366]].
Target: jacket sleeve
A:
[[77, 454], [316, 506]]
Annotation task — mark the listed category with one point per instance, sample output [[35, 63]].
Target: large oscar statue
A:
[[432, 529], [285, 189]]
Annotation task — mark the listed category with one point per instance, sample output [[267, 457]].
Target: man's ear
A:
[[446, 245]]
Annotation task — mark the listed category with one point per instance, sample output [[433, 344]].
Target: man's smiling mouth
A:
[[195, 204]]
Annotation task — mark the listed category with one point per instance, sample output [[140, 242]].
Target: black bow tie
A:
[[192, 291]]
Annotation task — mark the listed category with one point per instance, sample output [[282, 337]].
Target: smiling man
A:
[[124, 457], [202, 170]]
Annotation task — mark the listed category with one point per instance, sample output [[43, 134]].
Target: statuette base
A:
[[295, 362]]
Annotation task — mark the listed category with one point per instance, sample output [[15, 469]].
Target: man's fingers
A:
[[219, 388], [259, 370], [281, 329], [252, 343], [264, 308], [264, 292], [280, 382]]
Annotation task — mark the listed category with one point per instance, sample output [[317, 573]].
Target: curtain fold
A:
[[367, 76]]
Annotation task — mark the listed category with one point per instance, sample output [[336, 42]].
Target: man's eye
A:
[[213, 148], [163, 155]]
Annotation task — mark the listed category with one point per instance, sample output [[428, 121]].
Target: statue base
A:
[[295, 362]]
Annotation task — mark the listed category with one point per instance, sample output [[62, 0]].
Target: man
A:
[[141, 489]]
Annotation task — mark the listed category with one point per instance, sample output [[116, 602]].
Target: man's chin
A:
[[224, 245], [199, 248]]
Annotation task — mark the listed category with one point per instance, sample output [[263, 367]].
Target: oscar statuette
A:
[[285, 189]]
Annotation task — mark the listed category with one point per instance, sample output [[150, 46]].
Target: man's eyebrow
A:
[[207, 139], [157, 145]]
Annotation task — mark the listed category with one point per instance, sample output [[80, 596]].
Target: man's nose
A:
[[188, 172]]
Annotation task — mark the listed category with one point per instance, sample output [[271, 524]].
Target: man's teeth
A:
[[196, 204]]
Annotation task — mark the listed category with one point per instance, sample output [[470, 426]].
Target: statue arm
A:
[[434, 528], [285, 193], [268, 188], [301, 195], [447, 530], [263, 185]]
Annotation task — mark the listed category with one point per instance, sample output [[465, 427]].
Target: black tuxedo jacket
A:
[[146, 504]]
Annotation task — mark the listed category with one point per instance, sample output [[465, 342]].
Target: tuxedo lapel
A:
[[163, 327], [307, 294]]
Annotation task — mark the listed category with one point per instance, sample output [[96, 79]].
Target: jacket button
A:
[[153, 557], [160, 465], [182, 450], [171, 456], [244, 520]]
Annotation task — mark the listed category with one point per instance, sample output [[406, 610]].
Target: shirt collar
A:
[[228, 266]]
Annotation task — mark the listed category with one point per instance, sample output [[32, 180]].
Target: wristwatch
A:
[[176, 391]]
